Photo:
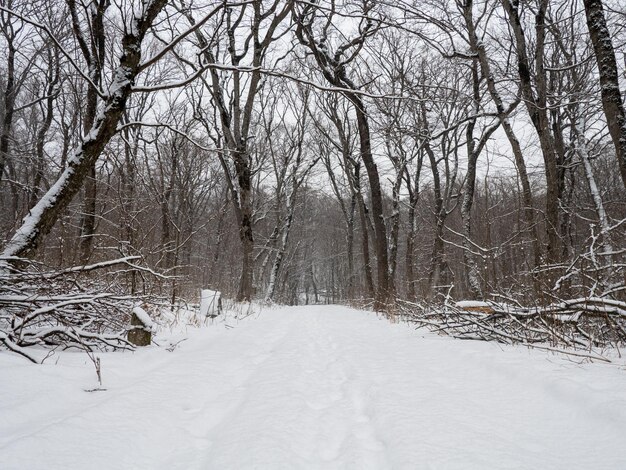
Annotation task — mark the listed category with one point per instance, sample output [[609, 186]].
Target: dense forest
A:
[[292, 151]]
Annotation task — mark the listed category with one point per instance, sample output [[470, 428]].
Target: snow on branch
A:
[[583, 327], [83, 307]]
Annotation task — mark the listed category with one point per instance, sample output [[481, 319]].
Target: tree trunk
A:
[[88, 222], [365, 245], [380, 242], [394, 230], [53, 80], [236, 125], [42, 217], [413, 190], [350, 246], [537, 109], [88, 225], [269, 296], [92, 45], [605, 226], [246, 237], [437, 257], [436, 260], [128, 201], [609, 81], [472, 272], [410, 257], [9, 105]]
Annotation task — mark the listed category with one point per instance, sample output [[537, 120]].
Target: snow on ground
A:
[[314, 388]]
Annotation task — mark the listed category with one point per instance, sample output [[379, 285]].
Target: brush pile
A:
[[70, 308], [586, 327]]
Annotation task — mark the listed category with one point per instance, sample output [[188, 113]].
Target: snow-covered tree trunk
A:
[[280, 254], [42, 217], [244, 212], [394, 228], [380, 231], [92, 45], [605, 226]]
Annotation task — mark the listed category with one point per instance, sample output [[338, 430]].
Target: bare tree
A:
[[333, 67], [45, 213], [236, 113], [536, 104], [341, 143], [478, 47], [298, 170]]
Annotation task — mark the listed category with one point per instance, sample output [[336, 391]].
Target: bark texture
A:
[[609, 81]]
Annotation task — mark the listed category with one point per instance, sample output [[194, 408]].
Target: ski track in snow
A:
[[318, 387]]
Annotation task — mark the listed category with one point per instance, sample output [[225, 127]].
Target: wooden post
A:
[[140, 333]]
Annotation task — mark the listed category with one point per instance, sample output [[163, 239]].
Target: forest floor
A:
[[317, 387]]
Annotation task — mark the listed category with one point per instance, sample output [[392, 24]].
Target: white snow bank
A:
[[314, 388]]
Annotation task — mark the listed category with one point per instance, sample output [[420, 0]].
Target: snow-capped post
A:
[[141, 327], [210, 303]]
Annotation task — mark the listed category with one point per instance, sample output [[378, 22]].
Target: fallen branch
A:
[[591, 324]]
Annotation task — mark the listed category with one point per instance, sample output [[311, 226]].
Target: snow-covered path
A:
[[314, 388]]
